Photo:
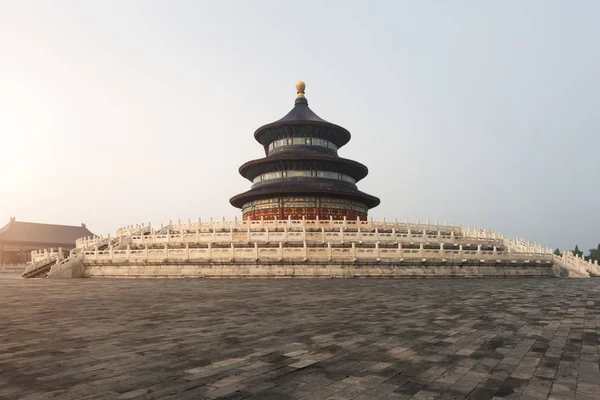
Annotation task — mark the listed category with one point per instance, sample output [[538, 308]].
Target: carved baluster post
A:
[[305, 250], [280, 251], [255, 251], [329, 251], [377, 252], [353, 252]]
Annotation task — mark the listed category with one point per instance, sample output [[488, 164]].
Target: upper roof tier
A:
[[301, 116]]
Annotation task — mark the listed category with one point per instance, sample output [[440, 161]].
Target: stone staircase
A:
[[40, 268], [58, 265]]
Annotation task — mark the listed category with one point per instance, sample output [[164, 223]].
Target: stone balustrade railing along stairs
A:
[[577, 265], [49, 262]]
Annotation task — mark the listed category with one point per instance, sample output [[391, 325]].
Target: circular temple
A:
[[302, 175]]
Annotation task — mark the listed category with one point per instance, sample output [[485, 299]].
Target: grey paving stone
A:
[[290, 339]]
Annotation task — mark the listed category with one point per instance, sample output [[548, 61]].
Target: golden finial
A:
[[300, 86]]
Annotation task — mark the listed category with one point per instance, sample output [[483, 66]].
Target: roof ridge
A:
[[44, 223]]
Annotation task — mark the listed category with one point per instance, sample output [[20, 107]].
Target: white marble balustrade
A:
[[305, 253], [292, 236], [307, 224]]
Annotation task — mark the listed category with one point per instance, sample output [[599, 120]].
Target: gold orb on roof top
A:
[[300, 87]]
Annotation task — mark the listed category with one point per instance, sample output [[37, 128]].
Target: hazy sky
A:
[[474, 112]]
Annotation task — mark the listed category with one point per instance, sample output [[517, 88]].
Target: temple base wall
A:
[[308, 213], [307, 207], [299, 270]]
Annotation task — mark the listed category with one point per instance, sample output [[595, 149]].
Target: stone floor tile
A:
[[395, 339]]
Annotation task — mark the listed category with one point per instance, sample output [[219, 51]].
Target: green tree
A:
[[577, 252], [557, 252], [595, 254]]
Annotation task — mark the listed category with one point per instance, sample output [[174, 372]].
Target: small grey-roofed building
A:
[[18, 239]]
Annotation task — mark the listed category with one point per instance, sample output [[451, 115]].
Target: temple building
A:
[[18, 239], [302, 175]]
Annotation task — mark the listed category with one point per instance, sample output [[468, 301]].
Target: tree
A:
[[595, 254], [577, 252], [557, 252]]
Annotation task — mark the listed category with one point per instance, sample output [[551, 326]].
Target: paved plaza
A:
[[291, 339]]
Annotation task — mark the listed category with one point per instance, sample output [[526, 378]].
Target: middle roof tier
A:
[[274, 162]]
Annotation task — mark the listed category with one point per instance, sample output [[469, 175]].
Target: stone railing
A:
[[130, 230], [290, 236], [307, 254], [40, 255], [88, 241], [568, 260], [579, 264], [308, 224], [42, 258], [515, 244]]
